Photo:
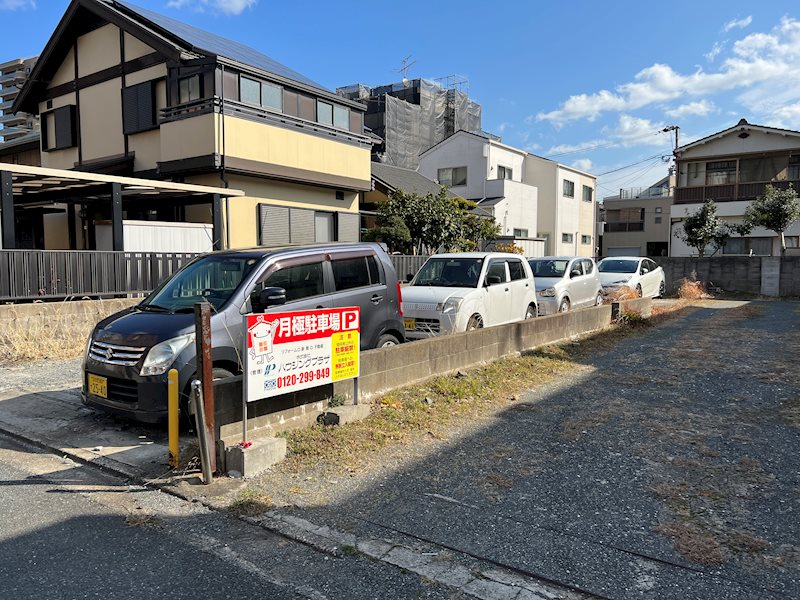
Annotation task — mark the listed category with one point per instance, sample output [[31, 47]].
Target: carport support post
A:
[[205, 371], [216, 220], [7, 208], [116, 218]]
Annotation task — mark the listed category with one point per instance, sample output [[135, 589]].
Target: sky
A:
[[590, 84]]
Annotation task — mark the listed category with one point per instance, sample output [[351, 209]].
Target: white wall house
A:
[[529, 196], [733, 167]]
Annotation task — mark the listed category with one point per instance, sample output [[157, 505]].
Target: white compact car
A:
[[640, 274], [465, 291], [565, 282]]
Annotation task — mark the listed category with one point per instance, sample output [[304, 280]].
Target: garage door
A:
[[624, 251]]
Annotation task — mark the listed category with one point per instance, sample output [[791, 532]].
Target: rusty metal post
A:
[[205, 371]]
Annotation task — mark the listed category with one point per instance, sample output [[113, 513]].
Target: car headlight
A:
[[163, 354], [451, 305], [548, 292], [88, 347]]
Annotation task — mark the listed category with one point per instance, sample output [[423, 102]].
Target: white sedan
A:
[[640, 274]]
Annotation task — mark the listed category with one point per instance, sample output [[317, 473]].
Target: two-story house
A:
[[637, 220], [126, 91], [733, 167], [530, 197]]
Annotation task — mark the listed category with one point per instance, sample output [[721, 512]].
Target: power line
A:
[[659, 155], [608, 144]]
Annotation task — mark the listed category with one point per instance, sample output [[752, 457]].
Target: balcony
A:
[[624, 226], [644, 192], [728, 192]]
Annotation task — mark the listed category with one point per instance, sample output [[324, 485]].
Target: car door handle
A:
[[376, 299], [506, 289], [320, 307]]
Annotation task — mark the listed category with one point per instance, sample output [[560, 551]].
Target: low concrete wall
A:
[[81, 314], [384, 369]]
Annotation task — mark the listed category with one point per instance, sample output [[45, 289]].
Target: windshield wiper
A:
[[182, 309], [153, 307]]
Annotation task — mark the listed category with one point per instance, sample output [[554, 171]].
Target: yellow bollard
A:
[[172, 409]]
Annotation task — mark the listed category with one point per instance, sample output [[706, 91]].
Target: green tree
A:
[[704, 228], [776, 210], [393, 232]]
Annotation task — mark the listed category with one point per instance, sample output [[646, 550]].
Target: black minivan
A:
[[130, 352]]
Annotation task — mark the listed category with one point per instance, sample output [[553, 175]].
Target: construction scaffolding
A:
[[413, 115]]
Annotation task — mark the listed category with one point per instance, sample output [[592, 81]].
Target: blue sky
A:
[[589, 84]]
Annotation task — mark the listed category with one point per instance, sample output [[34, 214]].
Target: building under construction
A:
[[414, 115]]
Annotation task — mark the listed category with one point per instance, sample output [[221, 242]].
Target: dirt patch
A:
[[250, 503]]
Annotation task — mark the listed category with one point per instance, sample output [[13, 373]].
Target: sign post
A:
[[291, 351]]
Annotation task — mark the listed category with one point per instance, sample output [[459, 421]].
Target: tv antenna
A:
[[406, 66]]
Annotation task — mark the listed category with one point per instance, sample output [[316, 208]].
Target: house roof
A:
[[742, 125], [398, 178], [172, 38], [484, 135]]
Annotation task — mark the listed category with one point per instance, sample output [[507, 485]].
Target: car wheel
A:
[[387, 340], [599, 300], [530, 312], [639, 291], [475, 322], [564, 306], [662, 289]]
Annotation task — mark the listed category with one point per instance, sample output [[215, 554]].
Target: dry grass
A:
[[142, 520], [60, 336], [691, 289], [694, 542], [250, 503]]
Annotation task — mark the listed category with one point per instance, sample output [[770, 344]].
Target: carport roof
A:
[[33, 183]]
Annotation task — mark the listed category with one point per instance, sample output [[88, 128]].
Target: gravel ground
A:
[[665, 467], [40, 375]]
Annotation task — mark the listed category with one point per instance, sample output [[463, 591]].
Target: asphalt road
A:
[[71, 532], [666, 467]]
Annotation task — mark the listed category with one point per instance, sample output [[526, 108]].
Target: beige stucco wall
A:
[[58, 159], [101, 120], [146, 146], [56, 230], [98, 50], [66, 72], [653, 232], [243, 218], [154, 72], [134, 48], [189, 137], [276, 145]]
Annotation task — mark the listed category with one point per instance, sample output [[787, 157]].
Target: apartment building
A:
[[126, 91], [637, 220], [733, 167], [13, 75]]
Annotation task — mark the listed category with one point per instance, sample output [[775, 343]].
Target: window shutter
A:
[[301, 226], [349, 226], [65, 126], [145, 105], [274, 221], [129, 109]]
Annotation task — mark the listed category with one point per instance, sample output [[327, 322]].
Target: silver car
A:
[[564, 283]]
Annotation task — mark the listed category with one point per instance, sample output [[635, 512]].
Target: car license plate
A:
[[98, 386], [411, 324]]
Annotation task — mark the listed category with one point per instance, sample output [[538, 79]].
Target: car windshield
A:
[[548, 267], [449, 272], [611, 265], [210, 278]]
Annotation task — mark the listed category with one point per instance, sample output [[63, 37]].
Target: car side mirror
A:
[[268, 297], [409, 276], [574, 273], [493, 280]]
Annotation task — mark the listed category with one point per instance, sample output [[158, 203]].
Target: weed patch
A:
[[250, 503]]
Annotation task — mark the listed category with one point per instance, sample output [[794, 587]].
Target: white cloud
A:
[[583, 164], [763, 60], [228, 7], [579, 147], [17, 4], [633, 131], [700, 109], [715, 51], [737, 23], [503, 126]]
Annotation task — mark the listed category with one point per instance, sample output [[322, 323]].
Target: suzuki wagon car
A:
[[129, 353], [564, 283], [464, 291]]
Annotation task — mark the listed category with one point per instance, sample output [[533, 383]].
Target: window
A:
[[306, 107], [271, 95], [356, 122], [569, 188], [324, 113], [588, 193], [139, 108], [497, 268], [721, 172], [290, 103], [374, 273], [658, 210], [59, 128], [793, 174], [341, 117], [586, 239], [516, 270], [249, 90], [520, 233], [567, 238], [505, 173], [452, 176], [588, 266], [748, 246], [189, 89], [324, 227], [657, 220], [350, 273], [302, 281]]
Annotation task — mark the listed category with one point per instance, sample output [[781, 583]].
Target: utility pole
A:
[[674, 128]]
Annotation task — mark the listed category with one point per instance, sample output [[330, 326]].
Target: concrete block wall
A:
[[731, 273], [81, 314]]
